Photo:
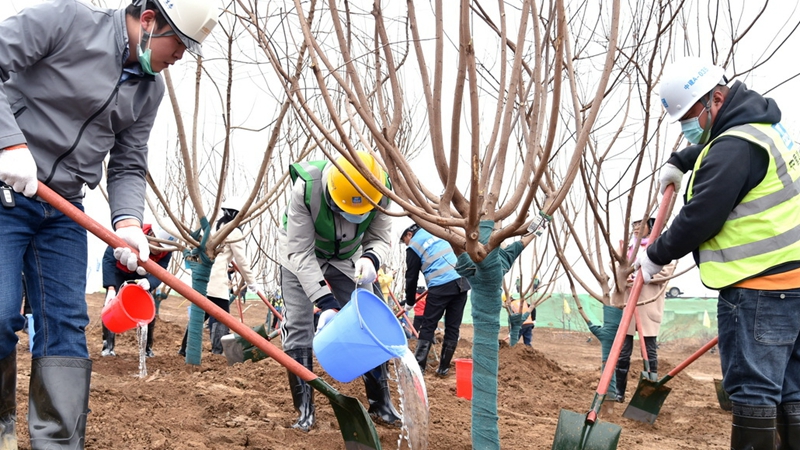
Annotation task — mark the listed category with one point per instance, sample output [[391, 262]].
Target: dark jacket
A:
[[731, 169]]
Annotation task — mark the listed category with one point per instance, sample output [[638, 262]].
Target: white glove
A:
[[18, 170], [408, 307], [669, 174], [133, 236], [365, 271], [649, 268], [324, 318], [144, 284], [252, 288], [110, 294]]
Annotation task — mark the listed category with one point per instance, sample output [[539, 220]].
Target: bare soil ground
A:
[[248, 406]]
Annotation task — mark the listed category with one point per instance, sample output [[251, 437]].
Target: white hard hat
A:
[[685, 81], [192, 20], [233, 203]]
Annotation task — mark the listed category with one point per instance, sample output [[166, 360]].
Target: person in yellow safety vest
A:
[[741, 221]]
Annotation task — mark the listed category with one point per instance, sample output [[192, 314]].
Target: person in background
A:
[[78, 83], [332, 239], [385, 278], [218, 284], [115, 274], [649, 311], [447, 293], [526, 330], [740, 220]]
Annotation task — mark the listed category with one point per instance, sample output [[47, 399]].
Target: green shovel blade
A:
[[357, 429], [574, 433], [646, 401], [722, 396]]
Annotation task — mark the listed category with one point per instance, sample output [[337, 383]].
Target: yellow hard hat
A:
[[345, 195]]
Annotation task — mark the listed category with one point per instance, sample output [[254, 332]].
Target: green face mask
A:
[[144, 54]]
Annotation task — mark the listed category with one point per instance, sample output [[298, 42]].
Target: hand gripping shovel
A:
[[357, 429], [584, 431], [649, 395]]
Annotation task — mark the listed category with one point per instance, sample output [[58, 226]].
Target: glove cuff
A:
[[16, 147], [326, 302], [375, 262]]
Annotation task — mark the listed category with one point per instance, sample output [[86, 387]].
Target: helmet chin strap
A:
[[707, 128]]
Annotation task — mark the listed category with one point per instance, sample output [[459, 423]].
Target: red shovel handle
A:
[[694, 356], [261, 296], [182, 288]]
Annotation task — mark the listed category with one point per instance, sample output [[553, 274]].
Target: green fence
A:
[[683, 317]]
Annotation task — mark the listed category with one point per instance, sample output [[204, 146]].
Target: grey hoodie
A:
[[60, 68]]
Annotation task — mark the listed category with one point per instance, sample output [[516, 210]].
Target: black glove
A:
[[326, 302]]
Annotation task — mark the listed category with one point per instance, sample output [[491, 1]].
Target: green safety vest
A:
[[763, 231], [326, 245]]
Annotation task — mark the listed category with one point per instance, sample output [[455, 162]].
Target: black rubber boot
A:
[[8, 401], [108, 342], [622, 381], [376, 383], [448, 349], [421, 353], [149, 347], [58, 402], [302, 392], [753, 427], [788, 425], [182, 350]]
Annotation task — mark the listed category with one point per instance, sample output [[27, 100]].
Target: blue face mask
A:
[[692, 130], [354, 218]]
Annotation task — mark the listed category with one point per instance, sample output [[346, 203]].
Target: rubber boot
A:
[[622, 380], [148, 351], [788, 425], [421, 353], [379, 395], [753, 427], [182, 350], [448, 349], [58, 402], [302, 392], [8, 402], [108, 342], [218, 329]]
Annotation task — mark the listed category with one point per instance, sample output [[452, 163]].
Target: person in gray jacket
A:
[[77, 83], [332, 239]]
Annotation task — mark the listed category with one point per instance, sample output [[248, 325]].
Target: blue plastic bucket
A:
[[362, 336]]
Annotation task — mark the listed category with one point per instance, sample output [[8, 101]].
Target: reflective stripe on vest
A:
[[763, 231], [326, 244], [438, 259]]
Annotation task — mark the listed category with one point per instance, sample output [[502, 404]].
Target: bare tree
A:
[[506, 94]]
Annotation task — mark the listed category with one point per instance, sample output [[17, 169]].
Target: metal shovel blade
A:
[[722, 396], [573, 432], [357, 428], [646, 401]]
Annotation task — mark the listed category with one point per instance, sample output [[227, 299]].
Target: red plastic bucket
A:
[[464, 378], [132, 306]]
